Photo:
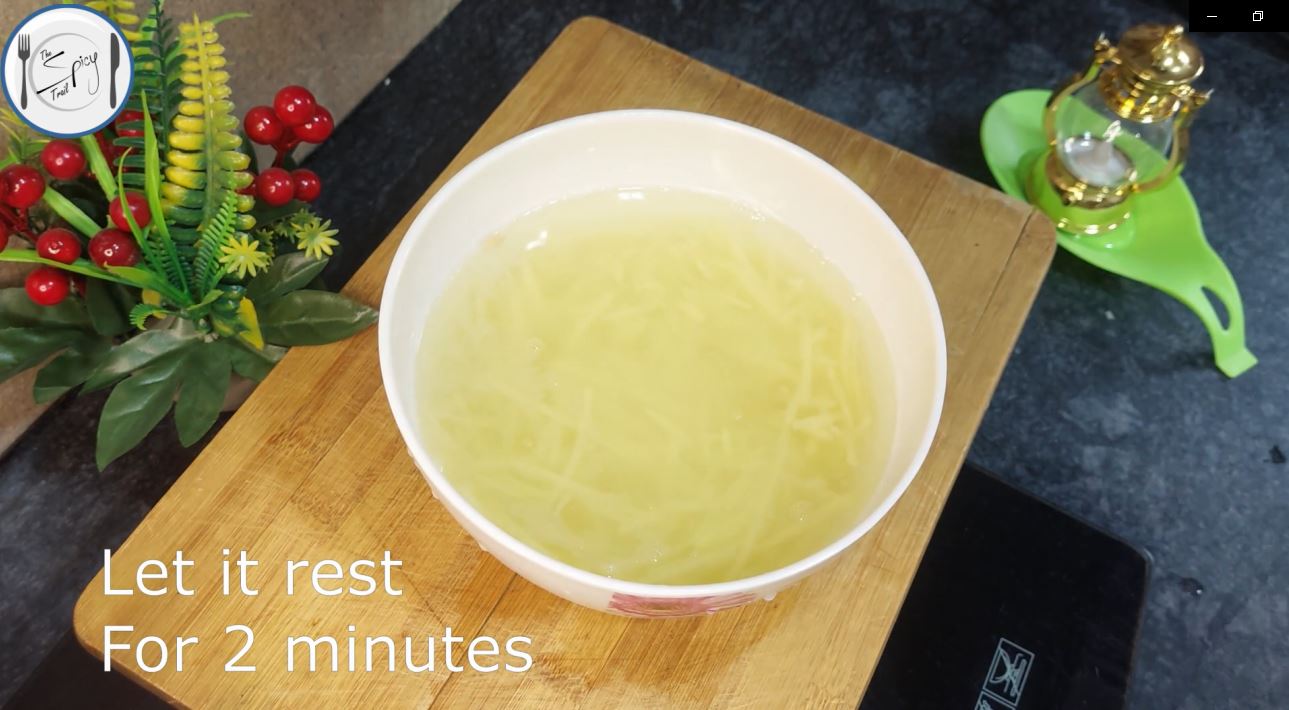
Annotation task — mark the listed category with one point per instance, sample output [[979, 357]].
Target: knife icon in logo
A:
[[116, 63]]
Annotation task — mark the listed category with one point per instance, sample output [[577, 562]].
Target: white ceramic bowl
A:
[[684, 150]]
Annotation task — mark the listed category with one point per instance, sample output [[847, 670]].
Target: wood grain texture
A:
[[313, 467]]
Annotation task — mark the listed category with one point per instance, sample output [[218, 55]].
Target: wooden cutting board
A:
[[312, 467]]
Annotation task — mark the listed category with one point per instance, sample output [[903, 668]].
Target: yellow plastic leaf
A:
[[180, 196], [185, 178], [236, 160], [191, 161], [187, 141], [247, 317], [189, 124], [150, 297]]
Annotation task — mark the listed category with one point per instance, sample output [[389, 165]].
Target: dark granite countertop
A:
[[1110, 406]]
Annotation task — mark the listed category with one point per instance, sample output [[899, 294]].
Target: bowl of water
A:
[[660, 363]]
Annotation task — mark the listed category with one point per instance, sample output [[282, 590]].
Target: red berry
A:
[[47, 286], [318, 128], [23, 186], [128, 117], [307, 184], [294, 105], [59, 245], [263, 126], [138, 208], [287, 141], [5, 231], [275, 187], [63, 160], [112, 247], [78, 285]]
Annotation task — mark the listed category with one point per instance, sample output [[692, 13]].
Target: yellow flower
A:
[[243, 256], [315, 237]]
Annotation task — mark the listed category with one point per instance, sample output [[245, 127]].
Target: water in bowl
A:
[[657, 385]]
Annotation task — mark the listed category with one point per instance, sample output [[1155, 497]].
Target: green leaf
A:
[[24, 348], [98, 165], [109, 306], [230, 16], [135, 407], [69, 369], [206, 375], [143, 349], [250, 363], [18, 311], [209, 142], [265, 214], [313, 318], [83, 267], [143, 278], [24, 144], [199, 309], [152, 190], [287, 273], [141, 312], [215, 234], [66, 209]]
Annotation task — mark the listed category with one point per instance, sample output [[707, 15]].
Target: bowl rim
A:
[[440, 486]]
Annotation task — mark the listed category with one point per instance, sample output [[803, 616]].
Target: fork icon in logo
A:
[[24, 53]]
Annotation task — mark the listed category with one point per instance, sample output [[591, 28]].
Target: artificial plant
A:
[[164, 263]]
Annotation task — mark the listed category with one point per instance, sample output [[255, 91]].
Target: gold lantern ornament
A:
[[1118, 129]]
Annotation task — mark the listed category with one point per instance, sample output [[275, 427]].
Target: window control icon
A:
[[1257, 16]]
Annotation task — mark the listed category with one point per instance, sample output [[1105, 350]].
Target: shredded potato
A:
[[657, 385]]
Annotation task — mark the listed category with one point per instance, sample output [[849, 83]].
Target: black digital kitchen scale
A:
[[1016, 606]]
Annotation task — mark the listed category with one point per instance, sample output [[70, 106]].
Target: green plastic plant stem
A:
[[64, 208], [1162, 244], [179, 295], [80, 266], [152, 173], [152, 192], [230, 16], [144, 278], [98, 166]]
